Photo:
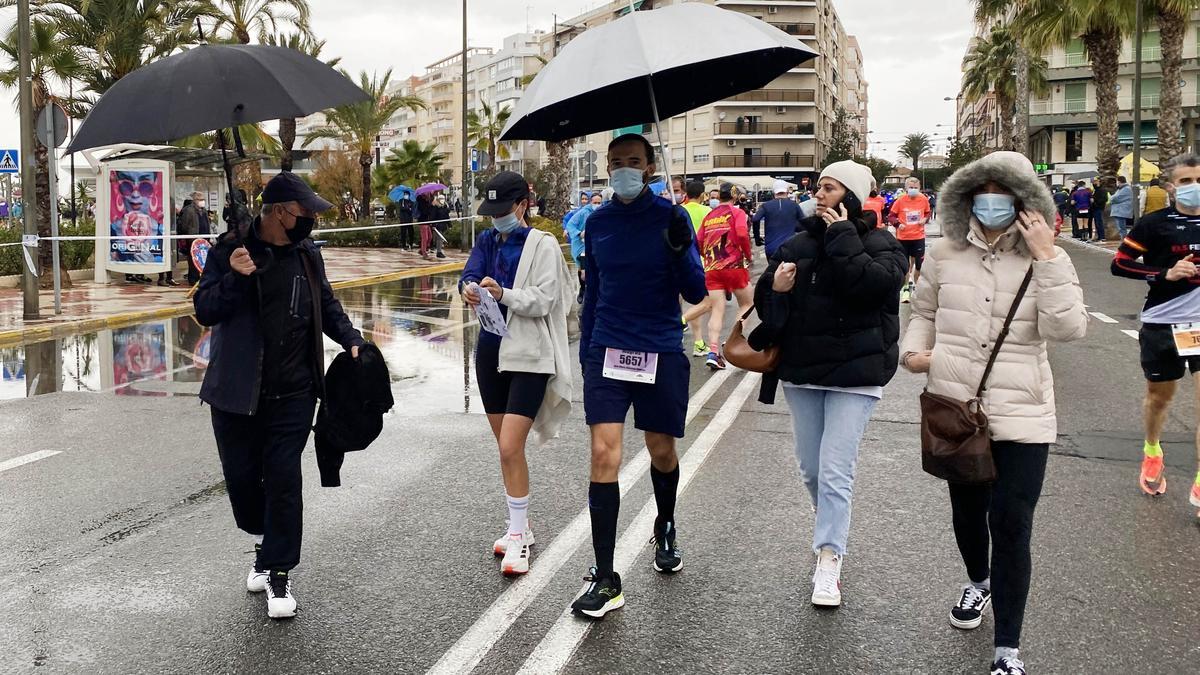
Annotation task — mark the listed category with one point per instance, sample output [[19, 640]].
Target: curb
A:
[[24, 336], [1088, 244]]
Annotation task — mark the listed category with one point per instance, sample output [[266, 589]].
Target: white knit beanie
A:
[[856, 177]]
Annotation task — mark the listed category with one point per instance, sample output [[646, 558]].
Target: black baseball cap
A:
[[501, 192], [288, 187]]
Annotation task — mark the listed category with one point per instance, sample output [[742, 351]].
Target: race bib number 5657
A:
[[621, 364]]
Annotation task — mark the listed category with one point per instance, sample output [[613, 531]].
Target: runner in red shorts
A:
[[724, 239]]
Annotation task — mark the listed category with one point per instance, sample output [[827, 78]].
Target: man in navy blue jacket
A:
[[268, 311], [782, 216], [640, 257]]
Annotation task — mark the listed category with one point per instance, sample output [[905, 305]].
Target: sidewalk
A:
[[90, 306]]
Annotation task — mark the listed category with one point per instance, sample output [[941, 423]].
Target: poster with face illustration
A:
[[136, 211]]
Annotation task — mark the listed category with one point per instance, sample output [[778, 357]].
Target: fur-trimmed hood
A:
[[1010, 169]]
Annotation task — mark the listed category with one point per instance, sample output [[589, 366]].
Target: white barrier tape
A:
[[105, 237], [29, 261]]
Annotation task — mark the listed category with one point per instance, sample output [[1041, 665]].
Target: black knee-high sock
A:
[[604, 503], [666, 487]]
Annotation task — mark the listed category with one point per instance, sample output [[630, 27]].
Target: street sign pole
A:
[[1137, 115], [51, 151], [29, 210]]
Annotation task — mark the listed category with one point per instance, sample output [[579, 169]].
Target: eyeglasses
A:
[[143, 187]]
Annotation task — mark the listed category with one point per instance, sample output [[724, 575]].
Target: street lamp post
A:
[[1137, 111], [28, 161], [463, 189]]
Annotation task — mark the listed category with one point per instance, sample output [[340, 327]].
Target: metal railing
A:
[[778, 96], [786, 160], [796, 28], [752, 127], [1124, 103]]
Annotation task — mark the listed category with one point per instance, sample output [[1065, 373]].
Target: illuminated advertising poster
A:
[[136, 210]]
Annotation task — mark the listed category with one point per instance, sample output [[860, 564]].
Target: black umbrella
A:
[[649, 66], [212, 87]]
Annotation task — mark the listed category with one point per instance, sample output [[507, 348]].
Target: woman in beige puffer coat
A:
[[996, 223]]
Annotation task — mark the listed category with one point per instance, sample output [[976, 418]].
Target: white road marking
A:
[[1103, 317], [1131, 333], [26, 459], [473, 645], [555, 650]]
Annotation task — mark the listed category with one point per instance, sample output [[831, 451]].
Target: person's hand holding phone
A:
[[831, 216]]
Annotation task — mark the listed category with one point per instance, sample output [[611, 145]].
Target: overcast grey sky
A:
[[912, 56]]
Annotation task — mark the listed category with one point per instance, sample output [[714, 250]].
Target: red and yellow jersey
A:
[[724, 239]]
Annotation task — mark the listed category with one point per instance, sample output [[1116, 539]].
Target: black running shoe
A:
[[968, 613], [602, 596], [667, 558], [1008, 666]]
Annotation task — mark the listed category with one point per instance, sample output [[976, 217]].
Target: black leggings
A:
[[508, 393], [1003, 510]]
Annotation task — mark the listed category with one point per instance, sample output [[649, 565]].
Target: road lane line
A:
[[26, 459], [1103, 317], [1131, 333], [478, 640], [556, 648]]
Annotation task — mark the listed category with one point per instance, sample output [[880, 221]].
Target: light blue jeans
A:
[[828, 426]]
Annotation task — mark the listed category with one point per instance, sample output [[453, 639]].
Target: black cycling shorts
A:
[[1161, 361], [915, 249], [513, 393]]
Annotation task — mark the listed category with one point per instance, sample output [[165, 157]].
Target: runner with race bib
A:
[[640, 257], [912, 213]]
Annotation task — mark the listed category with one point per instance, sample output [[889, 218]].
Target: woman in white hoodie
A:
[[524, 377]]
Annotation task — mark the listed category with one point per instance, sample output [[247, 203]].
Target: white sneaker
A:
[[256, 582], [827, 579], [501, 544], [516, 556], [281, 604]]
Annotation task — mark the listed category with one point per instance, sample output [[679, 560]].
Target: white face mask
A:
[[627, 182]]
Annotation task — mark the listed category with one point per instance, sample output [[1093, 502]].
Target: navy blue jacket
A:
[[229, 302], [783, 221], [634, 279]]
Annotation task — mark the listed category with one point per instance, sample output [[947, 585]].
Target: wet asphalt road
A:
[[119, 554]]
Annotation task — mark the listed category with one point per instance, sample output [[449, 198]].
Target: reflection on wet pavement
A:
[[420, 324]]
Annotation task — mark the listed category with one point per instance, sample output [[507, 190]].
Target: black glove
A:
[[679, 233]]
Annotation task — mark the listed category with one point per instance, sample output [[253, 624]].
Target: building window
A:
[[702, 121], [1151, 92], [1151, 46], [1076, 97], [700, 153], [1074, 145], [1075, 53]]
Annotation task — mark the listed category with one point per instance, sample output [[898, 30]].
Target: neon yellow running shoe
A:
[[700, 350], [1153, 479]]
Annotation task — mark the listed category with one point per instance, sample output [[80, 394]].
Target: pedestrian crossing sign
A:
[[10, 161]]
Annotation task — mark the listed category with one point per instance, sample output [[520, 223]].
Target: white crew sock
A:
[[518, 514], [1005, 653], [986, 584]]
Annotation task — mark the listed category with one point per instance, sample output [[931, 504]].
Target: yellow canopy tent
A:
[[1148, 170]]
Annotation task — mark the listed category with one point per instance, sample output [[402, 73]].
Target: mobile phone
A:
[[851, 202]]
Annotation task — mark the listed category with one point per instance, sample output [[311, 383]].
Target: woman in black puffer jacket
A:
[[830, 300]]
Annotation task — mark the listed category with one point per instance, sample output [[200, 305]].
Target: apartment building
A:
[[1062, 125], [499, 81], [782, 130]]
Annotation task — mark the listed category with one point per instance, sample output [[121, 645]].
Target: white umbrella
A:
[[651, 65]]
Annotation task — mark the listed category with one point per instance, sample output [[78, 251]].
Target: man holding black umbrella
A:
[[640, 256], [269, 311]]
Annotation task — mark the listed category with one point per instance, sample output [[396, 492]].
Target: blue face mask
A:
[[913, 192], [994, 211], [714, 203], [1188, 196], [627, 182], [506, 224]]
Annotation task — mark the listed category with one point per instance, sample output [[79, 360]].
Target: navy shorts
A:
[[658, 408]]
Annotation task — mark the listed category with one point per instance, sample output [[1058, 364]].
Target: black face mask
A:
[[303, 228]]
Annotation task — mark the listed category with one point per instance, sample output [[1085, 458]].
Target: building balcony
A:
[[761, 3], [1082, 106], [775, 96], [784, 161], [754, 128], [808, 30]]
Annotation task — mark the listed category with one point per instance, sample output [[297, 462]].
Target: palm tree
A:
[[483, 131], [358, 125], [52, 64], [1102, 26], [994, 65], [116, 37], [1172, 18], [915, 147], [305, 44], [411, 164], [990, 10], [239, 20]]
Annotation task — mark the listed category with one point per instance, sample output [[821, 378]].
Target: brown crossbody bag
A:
[[955, 443]]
